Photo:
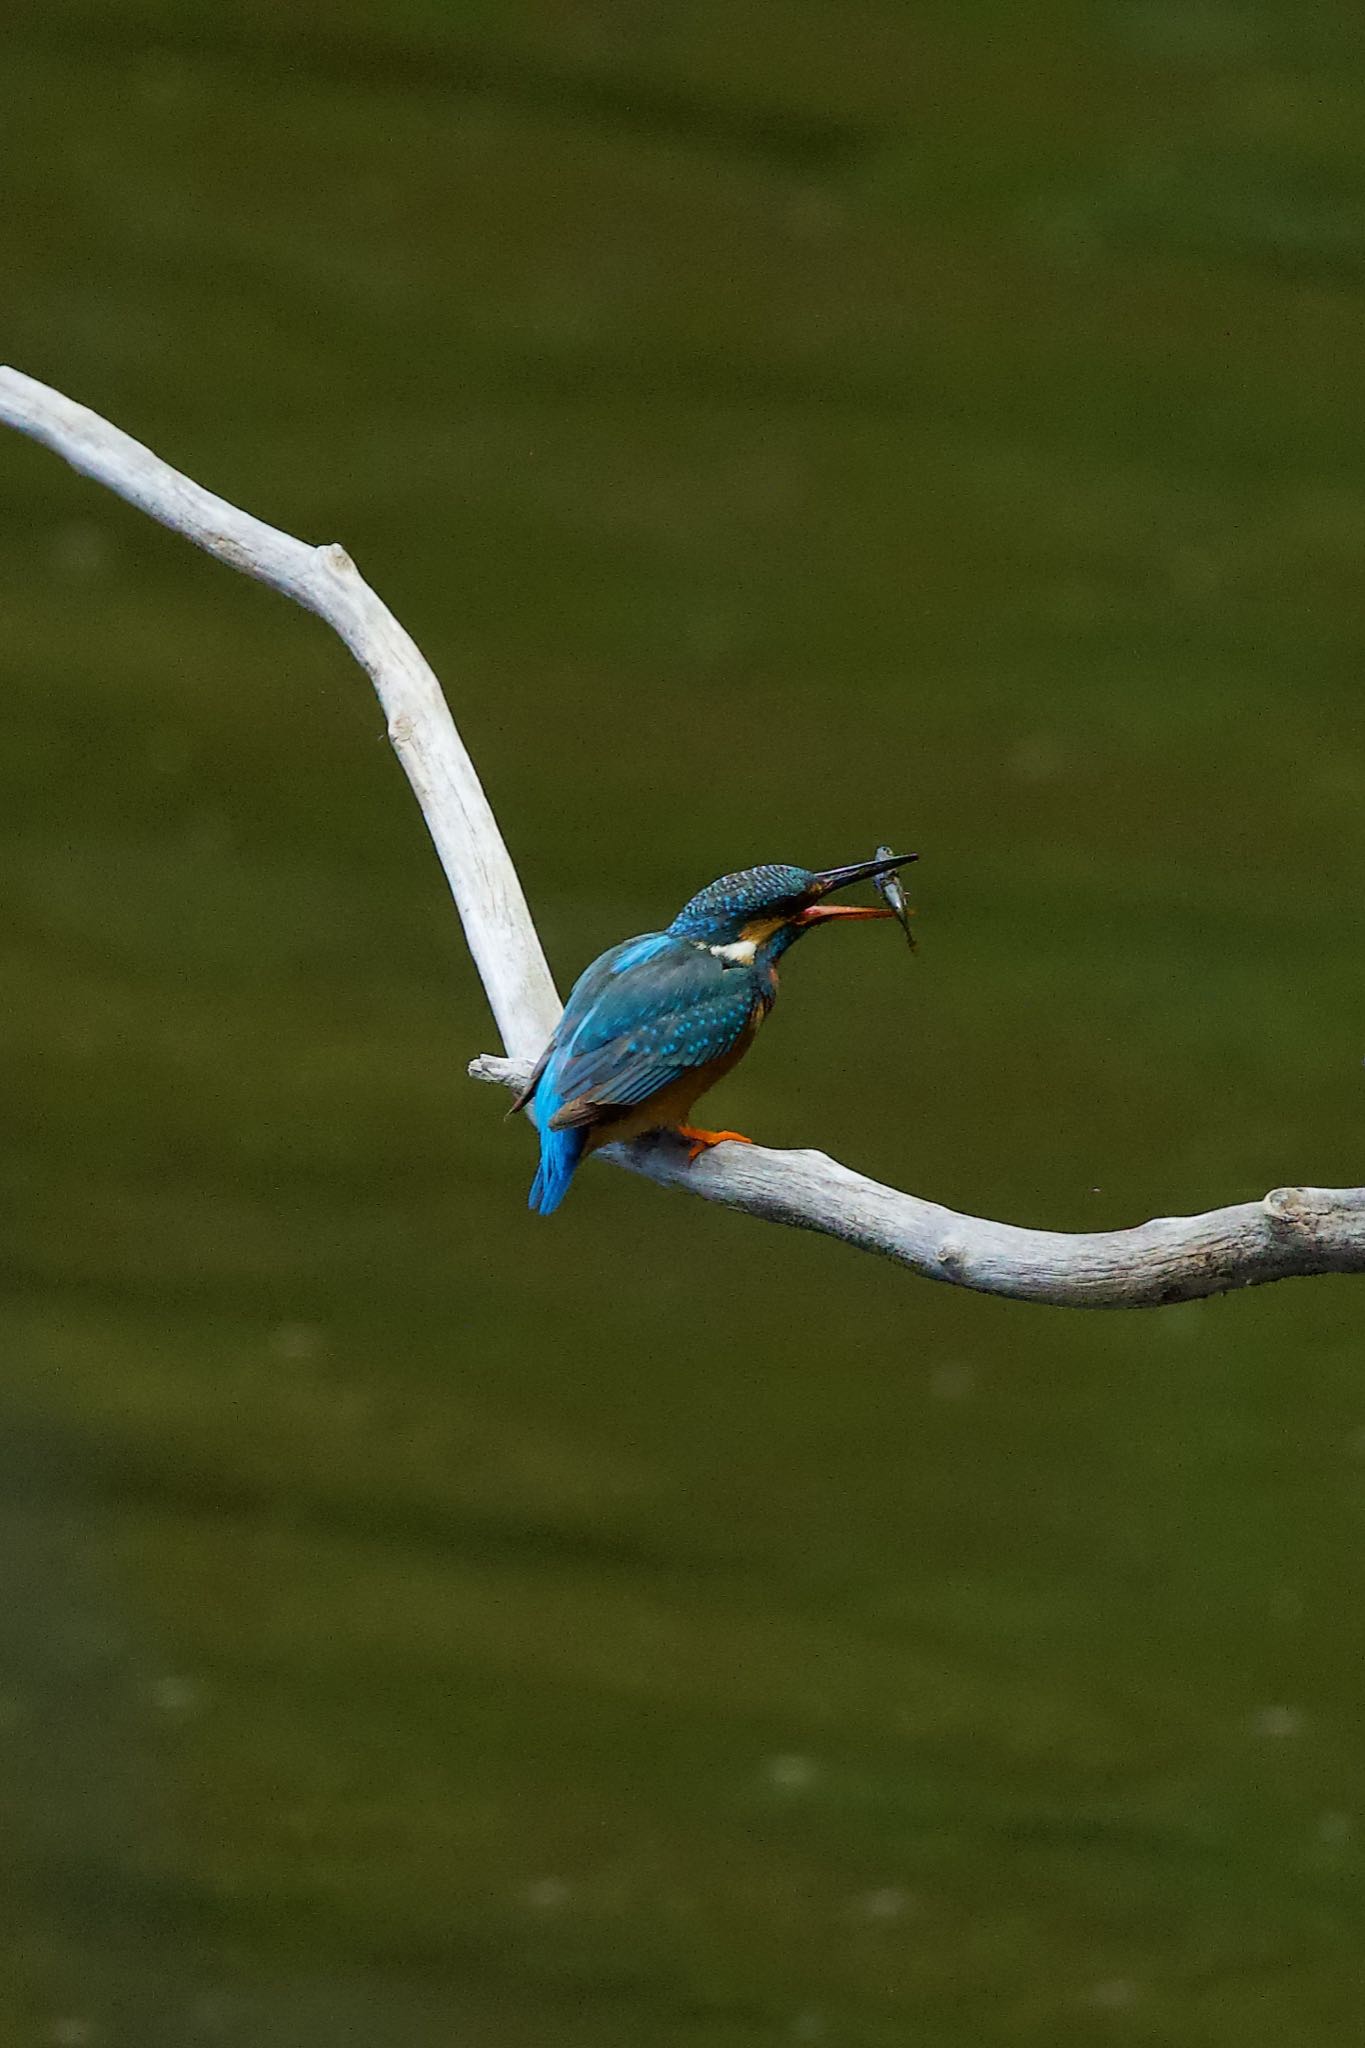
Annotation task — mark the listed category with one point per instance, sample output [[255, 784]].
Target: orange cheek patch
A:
[[761, 929]]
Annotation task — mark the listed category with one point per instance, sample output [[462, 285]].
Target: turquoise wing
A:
[[638, 1018]]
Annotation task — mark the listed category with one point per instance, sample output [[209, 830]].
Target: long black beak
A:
[[861, 871], [817, 911]]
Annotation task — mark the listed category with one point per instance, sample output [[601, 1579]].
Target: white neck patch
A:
[[741, 954]]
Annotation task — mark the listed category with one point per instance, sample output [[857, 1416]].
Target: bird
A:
[[655, 1021]]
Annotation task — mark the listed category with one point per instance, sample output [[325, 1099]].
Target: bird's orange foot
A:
[[699, 1141]]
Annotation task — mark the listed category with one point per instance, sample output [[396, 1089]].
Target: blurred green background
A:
[[785, 428]]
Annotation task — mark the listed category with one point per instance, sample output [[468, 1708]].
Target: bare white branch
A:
[[1293, 1231], [488, 895]]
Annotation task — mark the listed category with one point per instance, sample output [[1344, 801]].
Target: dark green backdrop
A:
[[785, 427]]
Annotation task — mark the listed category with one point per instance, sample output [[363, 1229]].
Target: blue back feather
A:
[[560, 1152]]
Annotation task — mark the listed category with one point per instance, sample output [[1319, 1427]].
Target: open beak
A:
[[819, 912]]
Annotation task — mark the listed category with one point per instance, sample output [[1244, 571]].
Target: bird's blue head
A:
[[768, 907]]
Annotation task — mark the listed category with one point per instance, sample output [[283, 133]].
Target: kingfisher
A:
[[654, 1022]]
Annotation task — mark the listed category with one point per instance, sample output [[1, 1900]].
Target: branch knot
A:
[[1291, 1208]]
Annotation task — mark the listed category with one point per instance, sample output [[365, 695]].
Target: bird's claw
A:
[[699, 1141]]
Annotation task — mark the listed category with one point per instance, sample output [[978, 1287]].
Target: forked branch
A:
[[1293, 1231]]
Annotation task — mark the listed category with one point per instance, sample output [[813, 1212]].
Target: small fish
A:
[[891, 892]]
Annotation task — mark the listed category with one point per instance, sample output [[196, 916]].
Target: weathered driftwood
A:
[[1292, 1231], [482, 880]]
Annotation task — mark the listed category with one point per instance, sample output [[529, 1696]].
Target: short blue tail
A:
[[560, 1152]]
